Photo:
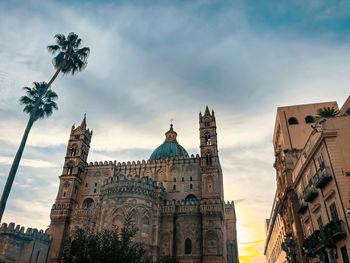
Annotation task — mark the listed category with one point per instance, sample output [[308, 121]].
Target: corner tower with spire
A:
[[75, 164]]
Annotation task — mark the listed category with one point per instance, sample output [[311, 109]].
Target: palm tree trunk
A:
[[54, 77], [14, 167]]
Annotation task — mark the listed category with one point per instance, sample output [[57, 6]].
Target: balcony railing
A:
[[327, 236], [300, 205], [309, 193], [322, 177]]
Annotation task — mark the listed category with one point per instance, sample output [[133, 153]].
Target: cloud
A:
[[168, 59], [28, 162]]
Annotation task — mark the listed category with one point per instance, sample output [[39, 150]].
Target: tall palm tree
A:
[[69, 58], [327, 112], [43, 98]]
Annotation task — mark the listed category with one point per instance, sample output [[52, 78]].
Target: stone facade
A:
[[18, 245], [177, 202], [312, 156]]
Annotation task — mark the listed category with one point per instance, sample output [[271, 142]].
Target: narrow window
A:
[[182, 179], [174, 180], [95, 184], [319, 222], [208, 159], [334, 213], [79, 171], [292, 121], [174, 187], [309, 119], [95, 190], [64, 194], [207, 124], [191, 178], [73, 152], [320, 161], [191, 186], [86, 185], [69, 169], [207, 138], [188, 246], [344, 254], [37, 256]]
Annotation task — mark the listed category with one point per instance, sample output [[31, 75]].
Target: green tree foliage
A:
[[106, 247], [327, 112]]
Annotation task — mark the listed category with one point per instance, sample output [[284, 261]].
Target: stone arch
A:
[[188, 246], [88, 203]]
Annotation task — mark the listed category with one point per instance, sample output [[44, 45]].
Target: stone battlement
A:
[[145, 164], [19, 231]]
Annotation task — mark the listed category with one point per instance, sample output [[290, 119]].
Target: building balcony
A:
[[311, 243], [322, 177], [309, 193], [300, 205], [327, 236], [333, 232]]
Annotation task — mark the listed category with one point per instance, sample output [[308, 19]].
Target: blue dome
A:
[[170, 147]]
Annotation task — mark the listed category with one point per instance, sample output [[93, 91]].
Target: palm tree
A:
[[43, 98], [69, 58], [327, 112]]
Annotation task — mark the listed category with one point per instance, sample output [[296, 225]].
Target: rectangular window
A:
[[95, 184], [174, 179], [86, 185], [95, 190], [334, 213], [183, 179], [320, 161], [344, 254], [319, 222]]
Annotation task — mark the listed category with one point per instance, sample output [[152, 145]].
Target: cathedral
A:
[[175, 199]]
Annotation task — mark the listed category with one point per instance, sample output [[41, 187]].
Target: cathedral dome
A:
[[170, 147]]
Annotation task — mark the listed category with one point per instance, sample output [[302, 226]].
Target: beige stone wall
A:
[[326, 155], [18, 245]]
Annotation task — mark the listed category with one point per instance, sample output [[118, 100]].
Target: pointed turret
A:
[[83, 123], [207, 112]]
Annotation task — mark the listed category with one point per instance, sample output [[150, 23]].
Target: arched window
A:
[[174, 187], [70, 169], [188, 246], [309, 119], [191, 197], [174, 180], [73, 151], [191, 186], [292, 121], [207, 138], [208, 159], [88, 202], [191, 178]]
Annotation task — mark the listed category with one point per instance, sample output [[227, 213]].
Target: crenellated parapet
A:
[[20, 232], [180, 207], [212, 207], [148, 163]]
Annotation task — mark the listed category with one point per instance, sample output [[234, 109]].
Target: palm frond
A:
[[53, 48]]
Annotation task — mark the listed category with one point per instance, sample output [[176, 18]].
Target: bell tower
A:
[[212, 183], [70, 182]]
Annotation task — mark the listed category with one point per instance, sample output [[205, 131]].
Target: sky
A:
[[152, 61]]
